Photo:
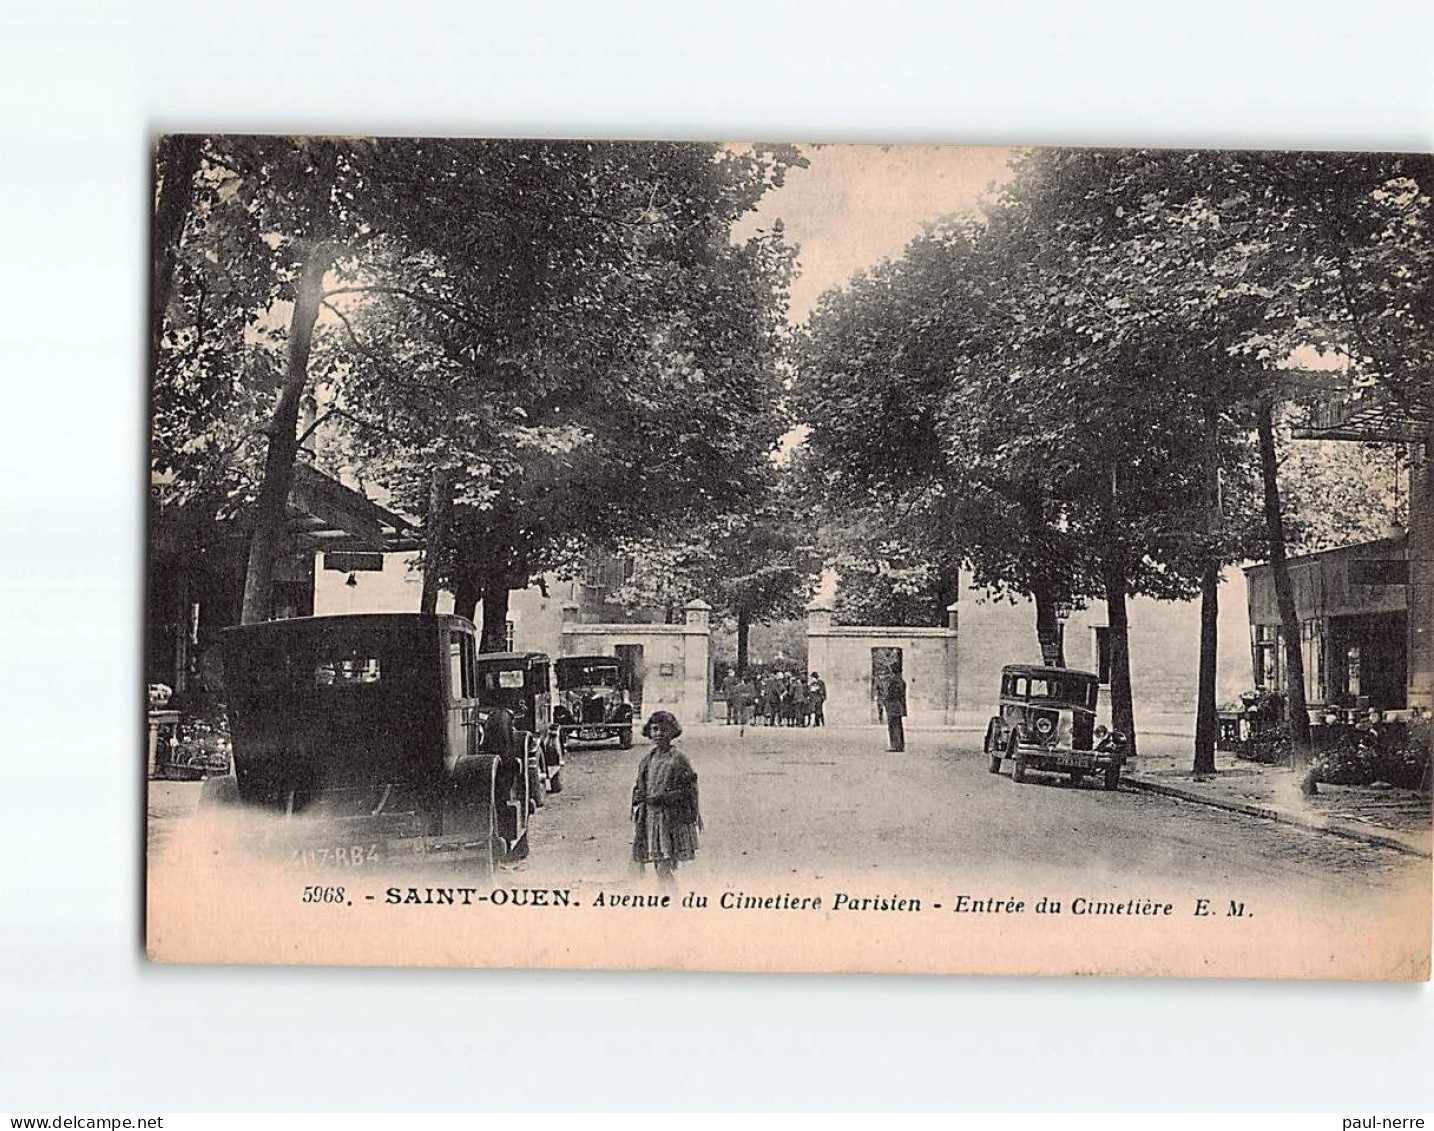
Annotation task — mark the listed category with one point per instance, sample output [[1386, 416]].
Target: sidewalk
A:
[[1393, 818]]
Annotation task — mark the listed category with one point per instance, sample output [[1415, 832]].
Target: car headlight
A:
[[1044, 726]]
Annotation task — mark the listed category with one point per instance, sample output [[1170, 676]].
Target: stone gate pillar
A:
[[952, 659], [819, 643], [697, 660]]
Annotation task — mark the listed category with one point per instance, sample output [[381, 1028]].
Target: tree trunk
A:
[[1122, 704], [1048, 626], [176, 160], [1043, 592], [1285, 596], [435, 537], [1207, 720], [744, 628], [283, 431], [465, 597], [948, 591], [495, 615]]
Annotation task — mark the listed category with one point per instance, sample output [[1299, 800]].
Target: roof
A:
[[1366, 413], [589, 660], [325, 514], [1375, 547], [1044, 670], [302, 624], [510, 657]]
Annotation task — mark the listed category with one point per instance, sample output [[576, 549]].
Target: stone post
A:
[[697, 660], [951, 657], [819, 654]]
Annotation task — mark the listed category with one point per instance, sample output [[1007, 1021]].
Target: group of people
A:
[[779, 699]]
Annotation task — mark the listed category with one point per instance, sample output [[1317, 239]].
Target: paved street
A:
[[800, 801], [808, 802]]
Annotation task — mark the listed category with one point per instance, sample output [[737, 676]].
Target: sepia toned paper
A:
[[820, 848]]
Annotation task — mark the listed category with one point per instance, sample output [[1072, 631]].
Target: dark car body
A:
[[365, 736], [1046, 721], [593, 700], [522, 684]]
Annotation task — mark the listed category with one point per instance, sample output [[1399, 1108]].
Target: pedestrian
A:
[[665, 812], [729, 688], [788, 703], [878, 691], [801, 703], [772, 699], [818, 692], [895, 703], [746, 693]]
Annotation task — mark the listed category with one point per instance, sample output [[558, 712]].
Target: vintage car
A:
[[593, 703], [364, 736], [521, 683], [1047, 722]]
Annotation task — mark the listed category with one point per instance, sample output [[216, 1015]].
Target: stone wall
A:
[[676, 659], [842, 654], [1164, 647]]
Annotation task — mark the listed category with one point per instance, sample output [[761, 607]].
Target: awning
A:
[[324, 514]]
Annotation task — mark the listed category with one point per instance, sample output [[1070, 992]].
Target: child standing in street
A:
[[665, 811]]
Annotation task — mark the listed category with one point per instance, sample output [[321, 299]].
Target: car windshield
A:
[[500, 687], [589, 675], [1065, 690]]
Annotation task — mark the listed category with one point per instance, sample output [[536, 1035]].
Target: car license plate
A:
[[340, 856], [592, 735], [1079, 761]]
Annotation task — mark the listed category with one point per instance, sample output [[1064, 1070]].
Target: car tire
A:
[[555, 781], [519, 851], [1112, 778], [1077, 776], [992, 748], [1018, 759], [624, 738], [535, 778]]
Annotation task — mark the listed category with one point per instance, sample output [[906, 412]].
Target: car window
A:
[[347, 671], [455, 665]]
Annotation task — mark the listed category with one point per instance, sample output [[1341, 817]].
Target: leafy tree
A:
[[754, 566], [456, 304], [614, 357]]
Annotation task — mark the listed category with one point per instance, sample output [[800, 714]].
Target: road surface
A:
[[804, 802]]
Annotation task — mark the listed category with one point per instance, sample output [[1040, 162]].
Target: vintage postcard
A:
[[790, 557]]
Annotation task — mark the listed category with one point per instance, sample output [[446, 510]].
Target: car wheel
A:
[[1112, 777], [993, 748], [1077, 776], [1018, 759], [624, 738], [555, 781], [519, 851], [536, 800]]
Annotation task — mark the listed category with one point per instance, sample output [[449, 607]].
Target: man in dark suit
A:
[[895, 697]]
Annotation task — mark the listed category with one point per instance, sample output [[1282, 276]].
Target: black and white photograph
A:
[[807, 557]]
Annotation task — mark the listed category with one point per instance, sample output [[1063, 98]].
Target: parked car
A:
[[366, 738], [522, 684], [594, 703], [1047, 722]]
